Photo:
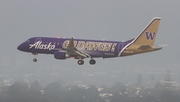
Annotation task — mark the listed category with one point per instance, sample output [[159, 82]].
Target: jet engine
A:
[[61, 55]]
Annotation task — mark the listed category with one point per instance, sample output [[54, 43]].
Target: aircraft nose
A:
[[20, 47]]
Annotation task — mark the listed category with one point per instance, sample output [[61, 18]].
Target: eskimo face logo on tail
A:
[[39, 45], [150, 35]]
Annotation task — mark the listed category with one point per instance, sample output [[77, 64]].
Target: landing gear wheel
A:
[[80, 62], [34, 60], [92, 62], [35, 55]]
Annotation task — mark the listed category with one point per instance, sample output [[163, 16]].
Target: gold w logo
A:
[[150, 35]]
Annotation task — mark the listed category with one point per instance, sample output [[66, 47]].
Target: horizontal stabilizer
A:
[[144, 47], [164, 45]]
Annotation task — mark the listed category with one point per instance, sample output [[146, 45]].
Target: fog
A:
[[88, 19]]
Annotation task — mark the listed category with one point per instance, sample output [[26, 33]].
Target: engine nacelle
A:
[[61, 55]]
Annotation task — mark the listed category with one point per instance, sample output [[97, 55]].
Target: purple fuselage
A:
[[95, 48]]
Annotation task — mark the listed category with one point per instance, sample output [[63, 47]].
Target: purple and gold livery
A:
[[63, 48]]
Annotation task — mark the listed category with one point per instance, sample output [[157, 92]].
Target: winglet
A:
[[71, 43]]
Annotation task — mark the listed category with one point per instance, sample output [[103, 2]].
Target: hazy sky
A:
[[90, 19]]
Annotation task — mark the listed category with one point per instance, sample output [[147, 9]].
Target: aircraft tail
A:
[[148, 35]]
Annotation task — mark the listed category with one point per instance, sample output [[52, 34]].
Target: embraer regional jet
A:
[[63, 48]]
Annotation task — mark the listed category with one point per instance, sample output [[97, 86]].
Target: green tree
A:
[[18, 92], [139, 80], [75, 94], [55, 91], [118, 88]]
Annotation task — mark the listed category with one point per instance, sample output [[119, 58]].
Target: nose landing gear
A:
[[34, 60], [35, 55]]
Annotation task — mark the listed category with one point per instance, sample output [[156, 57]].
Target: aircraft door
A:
[[120, 47]]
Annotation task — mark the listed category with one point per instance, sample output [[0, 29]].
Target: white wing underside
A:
[[73, 51]]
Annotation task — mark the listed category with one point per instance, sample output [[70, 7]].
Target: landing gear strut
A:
[[80, 62], [35, 55]]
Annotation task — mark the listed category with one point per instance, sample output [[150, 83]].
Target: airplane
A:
[[63, 48]]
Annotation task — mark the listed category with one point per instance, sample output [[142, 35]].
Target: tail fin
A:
[[148, 35]]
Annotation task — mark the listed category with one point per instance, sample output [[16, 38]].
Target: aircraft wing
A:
[[73, 51]]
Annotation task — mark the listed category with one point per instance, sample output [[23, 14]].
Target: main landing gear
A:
[[34, 60], [35, 55], [92, 62], [81, 62]]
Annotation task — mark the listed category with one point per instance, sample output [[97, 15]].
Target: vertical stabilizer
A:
[[148, 35], [144, 42]]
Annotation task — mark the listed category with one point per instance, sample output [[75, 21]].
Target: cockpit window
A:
[[28, 41]]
